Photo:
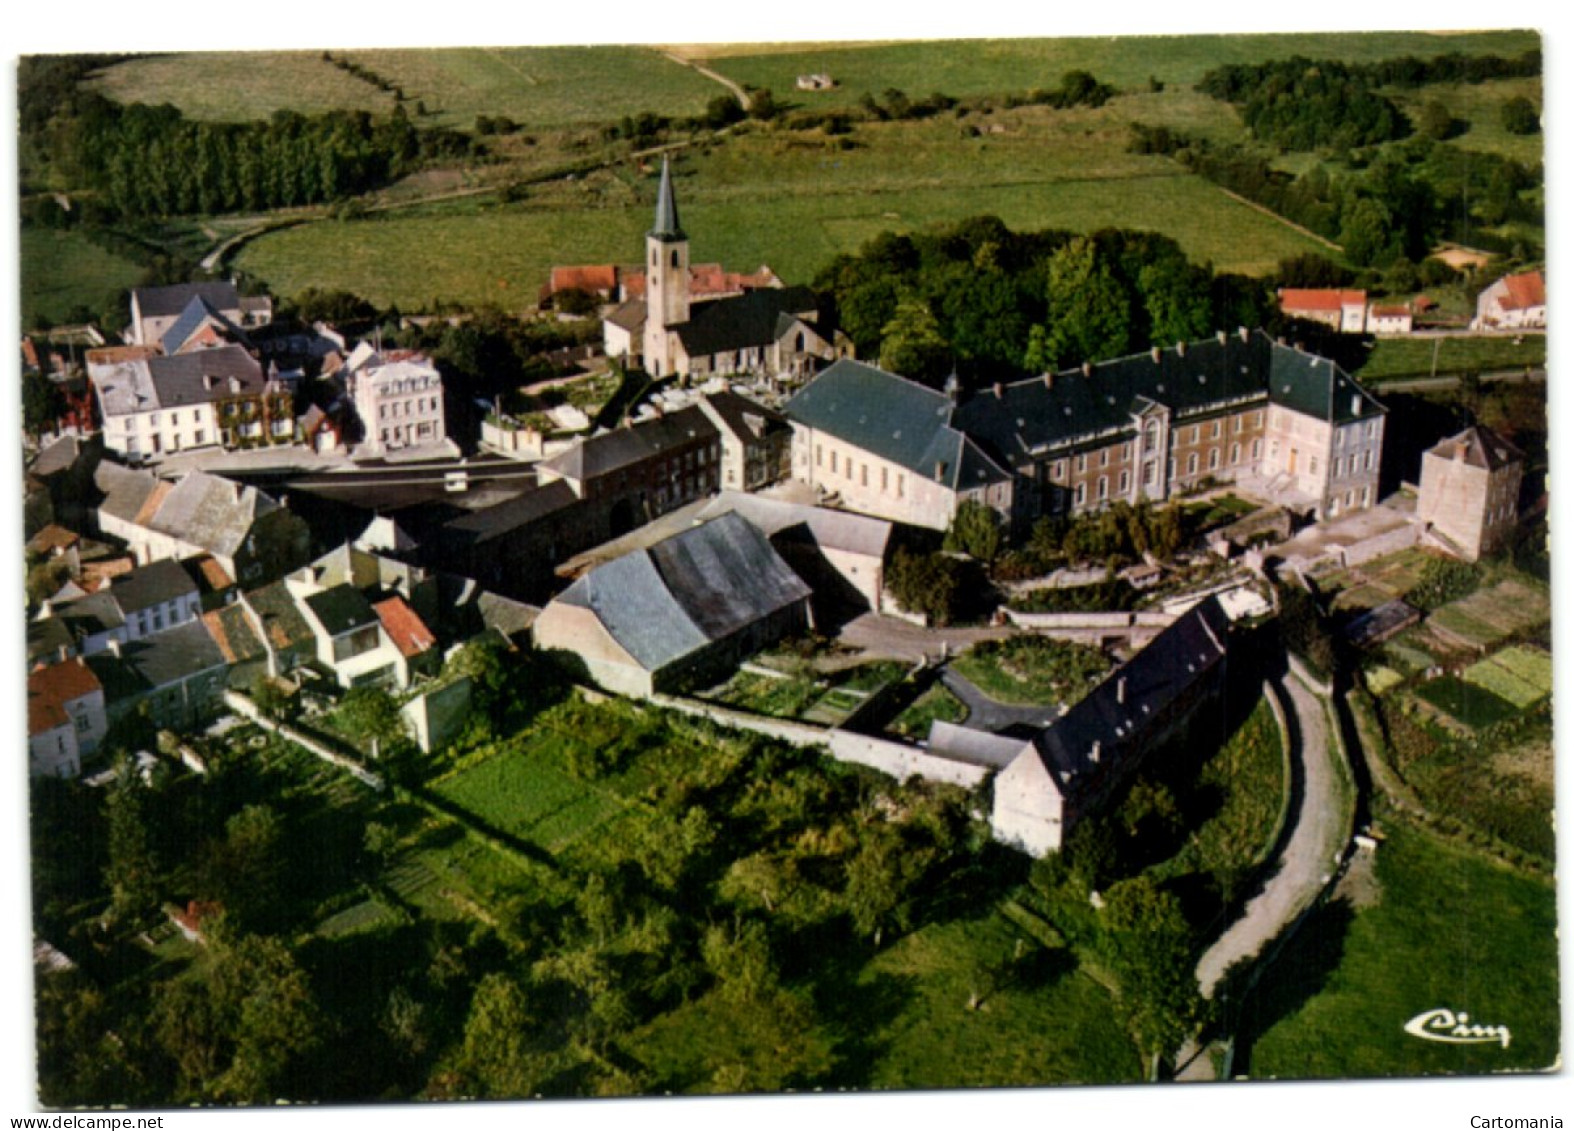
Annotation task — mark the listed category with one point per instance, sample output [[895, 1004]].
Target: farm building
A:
[[1341, 310], [682, 611], [1514, 302]]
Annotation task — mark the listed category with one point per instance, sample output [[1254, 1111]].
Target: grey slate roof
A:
[[1480, 447], [142, 385], [216, 514], [830, 529], [512, 514], [60, 455], [152, 584], [342, 609], [916, 426], [160, 302], [281, 618], [46, 637], [97, 612], [1153, 679], [197, 311], [745, 418], [666, 228], [896, 419], [629, 316], [157, 661], [624, 447], [125, 491], [746, 321], [697, 587]]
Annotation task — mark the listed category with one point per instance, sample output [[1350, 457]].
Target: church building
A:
[[777, 332]]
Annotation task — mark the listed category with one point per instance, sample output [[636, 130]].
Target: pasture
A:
[[1393, 359], [994, 66], [64, 270], [1447, 930], [239, 86]]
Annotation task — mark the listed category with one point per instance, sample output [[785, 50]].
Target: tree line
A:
[[139, 161]]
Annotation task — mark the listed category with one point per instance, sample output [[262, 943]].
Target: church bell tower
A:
[[666, 279]]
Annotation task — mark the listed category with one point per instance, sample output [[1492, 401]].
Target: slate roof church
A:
[[775, 331]]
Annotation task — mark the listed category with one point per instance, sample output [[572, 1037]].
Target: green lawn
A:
[[1521, 676], [935, 703], [1397, 358], [1032, 670], [62, 270], [1450, 931]]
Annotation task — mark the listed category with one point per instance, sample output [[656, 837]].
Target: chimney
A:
[[1093, 754], [1120, 690], [1158, 355], [1087, 369], [939, 471], [1245, 334]]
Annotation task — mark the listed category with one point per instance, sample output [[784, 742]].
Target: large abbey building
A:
[[1285, 424], [771, 331]]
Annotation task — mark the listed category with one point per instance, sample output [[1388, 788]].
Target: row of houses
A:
[[1514, 302], [197, 373]]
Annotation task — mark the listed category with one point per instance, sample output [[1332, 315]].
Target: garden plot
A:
[[367, 914], [1490, 615], [1521, 675], [1468, 704]]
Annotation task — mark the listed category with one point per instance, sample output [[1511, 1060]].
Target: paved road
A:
[[1421, 384], [1314, 834], [984, 713]]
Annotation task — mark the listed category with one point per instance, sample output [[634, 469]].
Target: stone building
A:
[[1152, 426], [399, 397], [1470, 491]]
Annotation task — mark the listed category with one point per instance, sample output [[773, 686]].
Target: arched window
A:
[[674, 257]]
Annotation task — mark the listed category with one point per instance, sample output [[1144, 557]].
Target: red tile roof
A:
[[50, 688], [1398, 311], [1320, 298], [407, 631], [1524, 291], [600, 278], [52, 537]]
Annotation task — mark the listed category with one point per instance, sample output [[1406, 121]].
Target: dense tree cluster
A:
[[1235, 82], [147, 161], [1393, 206], [978, 298]]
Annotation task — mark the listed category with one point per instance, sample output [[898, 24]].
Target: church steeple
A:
[[666, 228], [666, 280]]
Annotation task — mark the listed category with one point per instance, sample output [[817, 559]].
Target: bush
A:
[[1520, 116], [1444, 580]]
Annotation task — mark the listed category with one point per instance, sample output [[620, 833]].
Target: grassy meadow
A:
[[62, 270], [1435, 928]]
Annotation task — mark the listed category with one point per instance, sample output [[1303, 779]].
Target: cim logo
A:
[[1450, 1028]]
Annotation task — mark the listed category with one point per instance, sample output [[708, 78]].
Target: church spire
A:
[[666, 226]]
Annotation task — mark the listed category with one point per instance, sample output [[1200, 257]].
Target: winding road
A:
[[1310, 844]]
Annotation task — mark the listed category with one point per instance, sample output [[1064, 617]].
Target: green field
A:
[[1495, 612], [1394, 359], [535, 85], [62, 270], [1480, 106], [935, 703], [1449, 930], [1002, 65]]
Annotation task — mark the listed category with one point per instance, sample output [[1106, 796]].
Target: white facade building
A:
[[399, 398]]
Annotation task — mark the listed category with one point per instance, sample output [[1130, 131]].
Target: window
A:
[[863, 475], [1057, 470], [1213, 459], [1103, 487], [1256, 449], [1235, 452], [1338, 438], [1104, 457], [819, 456], [1150, 472], [1366, 495], [1218, 429], [1125, 482], [1082, 494], [1196, 432], [901, 486], [1191, 464], [885, 480], [1313, 468], [1151, 436], [1082, 462], [200, 436], [833, 462], [1238, 424], [1125, 451], [1369, 456]]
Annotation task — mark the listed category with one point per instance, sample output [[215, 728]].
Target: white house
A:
[[1514, 302], [1341, 310], [65, 718], [399, 397]]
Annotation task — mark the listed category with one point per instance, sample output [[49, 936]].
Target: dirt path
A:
[[1291, 224], [1313, 837], [737, 91]]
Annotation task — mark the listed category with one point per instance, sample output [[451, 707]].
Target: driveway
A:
[[1313, 837], [984, 713], [883, 637]]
